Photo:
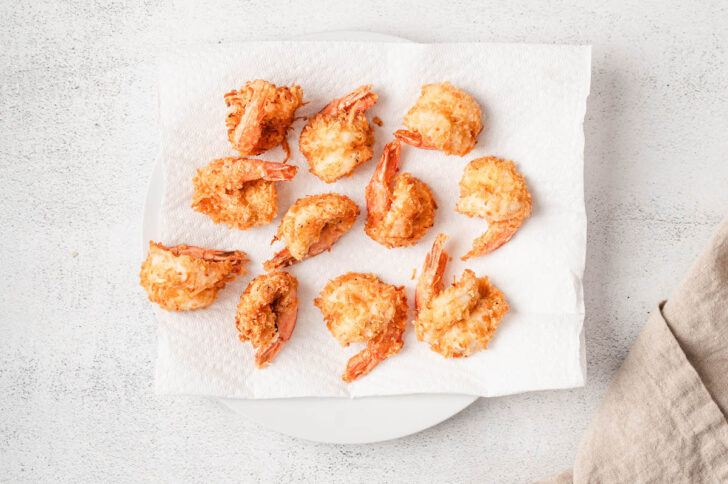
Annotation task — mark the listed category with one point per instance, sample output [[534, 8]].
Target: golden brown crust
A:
[[462, 319], [444, 118], [182, 277], [336, 145], [304, 222], [411, 214], [264, 313], [401, 208], [339, 138], [239, 192], [278, 109], [493, 189], [360, 308]]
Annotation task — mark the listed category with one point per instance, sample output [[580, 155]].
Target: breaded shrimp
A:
[[260, 114], [359, 308], [461, 319], [444, 118], [182, 277], [311, 226], [339, 138], [239, 191], [267, 314], [492, 188], [401, 209]]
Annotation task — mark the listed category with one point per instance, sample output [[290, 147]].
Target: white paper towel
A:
[[533, 99]]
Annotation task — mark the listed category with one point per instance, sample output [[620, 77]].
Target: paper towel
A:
[[533, 99]]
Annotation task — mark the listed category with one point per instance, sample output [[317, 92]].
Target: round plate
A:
[[333, 420]]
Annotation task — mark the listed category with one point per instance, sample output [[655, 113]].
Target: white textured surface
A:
[[77, 144], [534, 102]]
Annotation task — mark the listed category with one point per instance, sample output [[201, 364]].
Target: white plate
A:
[[333, 420]]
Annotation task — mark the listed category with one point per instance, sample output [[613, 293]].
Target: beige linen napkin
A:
[[664, 416]]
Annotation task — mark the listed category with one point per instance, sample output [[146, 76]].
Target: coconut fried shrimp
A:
[[339, 138], [444, 118], [491, 188], [360, 308], [460, 320], [311, 226], [401, 209], [260, 114], [267, 314], [239, 191], [185, 277]]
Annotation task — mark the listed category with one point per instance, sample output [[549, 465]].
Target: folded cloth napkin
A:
[[664, 416]]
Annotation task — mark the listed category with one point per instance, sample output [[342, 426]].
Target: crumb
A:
[[414, 273], [74, 254], [377, 120]]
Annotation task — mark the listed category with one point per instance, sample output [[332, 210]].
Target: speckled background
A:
[[78, 138]]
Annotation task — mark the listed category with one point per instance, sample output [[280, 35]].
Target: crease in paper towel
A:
[[533, 98]]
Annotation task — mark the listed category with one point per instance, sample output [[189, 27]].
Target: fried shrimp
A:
[[311, 226], [239, 191], [260, 114], [401, 209], [182, 277], [461, 319], [339, 138], [267, 314], [359, 308], [444, 118], [491, 188]]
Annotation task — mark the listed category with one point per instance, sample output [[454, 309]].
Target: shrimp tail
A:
[[359, 365], [498, 233], [285, 325], [379, 349], [273, 171], [413, 138], [282, 259], [250, 129], [379, 192], [356, 101], [389, 164], [264, 356], [251, 169], [429, 283], [209, 254]]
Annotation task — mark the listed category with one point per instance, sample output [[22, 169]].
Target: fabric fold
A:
[[664, 416], [697, 313]]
